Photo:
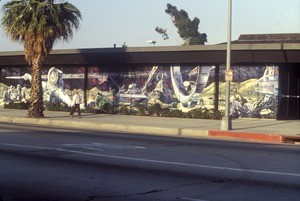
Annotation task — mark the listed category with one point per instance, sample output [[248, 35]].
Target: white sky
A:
[[108, 22]]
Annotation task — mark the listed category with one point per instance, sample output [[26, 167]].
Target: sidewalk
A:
[[262, 130]]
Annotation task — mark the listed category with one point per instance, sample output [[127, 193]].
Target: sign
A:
[[229, 75]]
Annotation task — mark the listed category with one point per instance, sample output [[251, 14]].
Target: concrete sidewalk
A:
[[263, 130]]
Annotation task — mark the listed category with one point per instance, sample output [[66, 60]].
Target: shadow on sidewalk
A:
[[264, 125], [84, 115]]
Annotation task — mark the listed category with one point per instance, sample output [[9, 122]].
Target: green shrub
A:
[[124, 110], [176, 113], [199, 113], [56, 107], [141, 110], [204, 113], [217, 114], [17, 105], [155, 110], [109, 108], [164, 112]]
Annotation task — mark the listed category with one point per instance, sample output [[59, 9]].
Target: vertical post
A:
[[226, 123], [298, 96], [217, 91], [288, 95], [85, 86]]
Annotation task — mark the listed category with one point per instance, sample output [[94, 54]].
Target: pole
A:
[[226, 123]]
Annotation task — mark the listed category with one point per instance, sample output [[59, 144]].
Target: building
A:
[[266, 76]]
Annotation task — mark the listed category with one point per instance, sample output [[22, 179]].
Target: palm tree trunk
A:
[[36, 107]]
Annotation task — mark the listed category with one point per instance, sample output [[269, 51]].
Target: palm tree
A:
[[38, 24]]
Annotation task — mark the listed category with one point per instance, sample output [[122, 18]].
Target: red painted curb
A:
[[248, 136]]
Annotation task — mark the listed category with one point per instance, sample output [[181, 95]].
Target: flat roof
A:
[[241, 53], [218, 47]]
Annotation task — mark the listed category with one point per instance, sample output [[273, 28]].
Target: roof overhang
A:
[[274, 53]]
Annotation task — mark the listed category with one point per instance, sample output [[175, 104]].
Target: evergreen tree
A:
[[187, 28]]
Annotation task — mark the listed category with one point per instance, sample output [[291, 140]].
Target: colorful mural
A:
[[57, 85], [171, 87], [254, 89]]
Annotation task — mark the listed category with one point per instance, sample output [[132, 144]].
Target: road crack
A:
[[90, 198]]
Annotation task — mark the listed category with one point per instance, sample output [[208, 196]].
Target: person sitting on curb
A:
[[76, 100]]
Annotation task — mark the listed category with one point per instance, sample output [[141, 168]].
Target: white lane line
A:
[[191, 199], [103, 146], [158, 161]]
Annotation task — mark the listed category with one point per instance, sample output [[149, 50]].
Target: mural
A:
[[171, 87], [254, 89], [13, 90], [15, 85]]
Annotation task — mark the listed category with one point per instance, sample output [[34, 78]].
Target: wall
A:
[[254, 89]]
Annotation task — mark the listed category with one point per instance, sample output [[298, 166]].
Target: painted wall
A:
[[254, 89]]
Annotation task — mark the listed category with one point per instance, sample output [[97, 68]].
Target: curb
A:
[[262, 137], [141, 129], [155, 130], [291, 139]]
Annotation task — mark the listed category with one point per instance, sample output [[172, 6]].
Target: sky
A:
[[108, 22]]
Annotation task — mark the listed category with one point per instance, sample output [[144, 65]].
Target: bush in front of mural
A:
[[157, 111], [199, 113], [17, 105], [56, 107], [219, 114], [141, 110], [204, 113], [124, 110], [176, 113]]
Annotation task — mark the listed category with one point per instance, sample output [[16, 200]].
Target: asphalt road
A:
[[48, 164]]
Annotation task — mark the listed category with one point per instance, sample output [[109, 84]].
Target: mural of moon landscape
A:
[[254, 90]]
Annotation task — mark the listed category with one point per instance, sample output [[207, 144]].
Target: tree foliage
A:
[[187, 28], [38, 24], [163, 32]]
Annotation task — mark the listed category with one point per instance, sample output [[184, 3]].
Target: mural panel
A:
[[57, 84], [254, 89], [171, 87], [14, 84]]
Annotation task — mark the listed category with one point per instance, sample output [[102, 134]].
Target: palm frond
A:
[[38, 24]]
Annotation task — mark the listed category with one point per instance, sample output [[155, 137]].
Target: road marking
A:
[[191, 199], [157, 161]]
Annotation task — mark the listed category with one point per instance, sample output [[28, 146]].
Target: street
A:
[[51, 164]]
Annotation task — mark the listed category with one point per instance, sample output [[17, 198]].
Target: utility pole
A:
[[226, 123]]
